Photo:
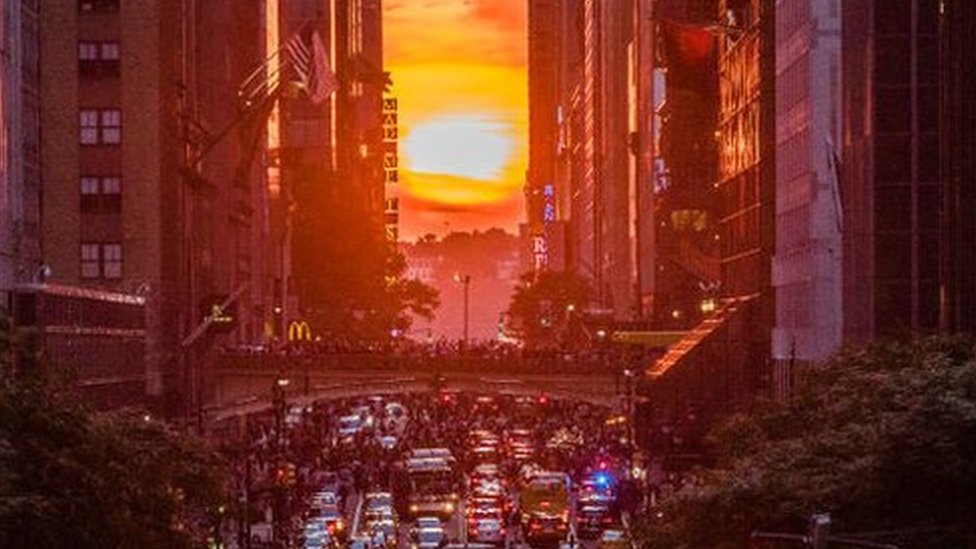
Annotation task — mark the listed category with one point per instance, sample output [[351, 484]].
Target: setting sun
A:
[[473, 146]]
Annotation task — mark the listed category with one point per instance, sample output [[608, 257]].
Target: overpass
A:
[[242, 382]]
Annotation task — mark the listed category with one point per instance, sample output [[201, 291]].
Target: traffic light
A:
[[819, 529]]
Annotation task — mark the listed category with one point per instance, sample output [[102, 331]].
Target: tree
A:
[[71, 477], [884, 438], [546, 306], [353, 282]]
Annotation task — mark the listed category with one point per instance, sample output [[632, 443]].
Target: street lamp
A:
[[466, 280]]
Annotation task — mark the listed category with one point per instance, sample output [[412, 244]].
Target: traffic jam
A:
[[448, 469]]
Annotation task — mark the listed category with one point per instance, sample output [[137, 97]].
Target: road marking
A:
[[358, 514]]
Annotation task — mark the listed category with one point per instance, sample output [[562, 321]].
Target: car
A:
[[427, 522], [324, 498], [387, 527], [388, 442], [542, 526], [329, 481], [485, 454], [333, 521], [378, 501], [485, 470], [591, 520], [428, 538], [376, 515], [316, 535], [349, 427], [488, 530], [482, 513], [614, 539]]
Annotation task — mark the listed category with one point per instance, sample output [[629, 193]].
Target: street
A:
[[442, 469]]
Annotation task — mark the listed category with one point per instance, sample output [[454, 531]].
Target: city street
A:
[[446, 469]]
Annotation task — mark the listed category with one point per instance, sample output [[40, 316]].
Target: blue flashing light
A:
[[602, 480]]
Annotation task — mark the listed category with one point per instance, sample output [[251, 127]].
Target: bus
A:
[[544, 503], [432, 487]]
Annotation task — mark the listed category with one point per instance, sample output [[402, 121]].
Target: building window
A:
[[101, 194], [94, 6], [112, 261], [111, 126], [98, 59], [89, 261], [89, 127], [100, 127], [101, 260], [87, 51]]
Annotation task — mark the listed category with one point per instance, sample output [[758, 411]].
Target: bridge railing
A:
[[542, 365]]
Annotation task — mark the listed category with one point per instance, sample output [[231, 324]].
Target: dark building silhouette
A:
[[892, 185], [957, 119]]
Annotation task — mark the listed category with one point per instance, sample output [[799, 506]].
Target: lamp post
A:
[[466, 280]]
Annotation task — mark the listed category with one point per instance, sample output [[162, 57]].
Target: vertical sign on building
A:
[[391, 169], [540, 241]]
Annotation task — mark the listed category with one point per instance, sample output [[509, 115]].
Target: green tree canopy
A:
[[883, 438], [546, 306], [70, 477]]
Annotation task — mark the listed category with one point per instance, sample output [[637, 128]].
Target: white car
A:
[[429, 538], [349, 426], [379, 501], [488, 530], [322, 499]]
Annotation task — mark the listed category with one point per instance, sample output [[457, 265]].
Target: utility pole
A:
[[466, 281]]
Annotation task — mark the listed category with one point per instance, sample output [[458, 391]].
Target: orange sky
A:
[[459, 71]]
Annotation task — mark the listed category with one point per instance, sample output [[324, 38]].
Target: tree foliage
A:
[[545, 306], [883, 438], [71, 477]]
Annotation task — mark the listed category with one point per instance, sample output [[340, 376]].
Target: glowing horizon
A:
[[459, 74]]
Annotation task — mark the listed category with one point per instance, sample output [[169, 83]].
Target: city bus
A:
[[432, 487]]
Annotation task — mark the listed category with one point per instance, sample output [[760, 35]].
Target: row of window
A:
[[101, 194], [98, 59], [101, 260], [100, 126]]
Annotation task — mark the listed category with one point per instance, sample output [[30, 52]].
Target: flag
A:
[[301, 59], [323, 81]]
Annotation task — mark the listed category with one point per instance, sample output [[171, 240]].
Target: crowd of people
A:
[[471, 356]]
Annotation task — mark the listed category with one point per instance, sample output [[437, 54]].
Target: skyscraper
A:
[[807, 267], [890, 179]]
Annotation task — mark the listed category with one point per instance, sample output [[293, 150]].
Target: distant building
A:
[[490, 258], [589, 183]]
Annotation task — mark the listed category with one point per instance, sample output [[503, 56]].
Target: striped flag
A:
[[323, 82], [312, 69], [301, 59]]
